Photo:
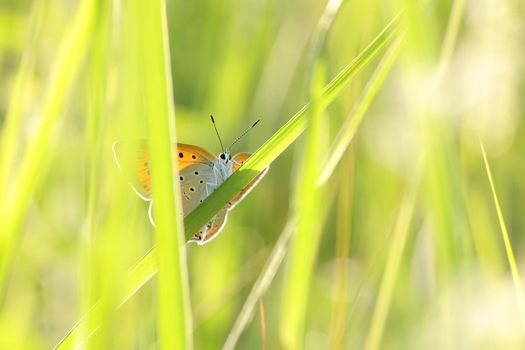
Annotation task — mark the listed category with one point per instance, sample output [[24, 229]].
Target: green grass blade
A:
[[390, 274], [33, 165], [506, 240], [139, 275], [347, 132], [13, 121], [173, 296], [340, 309], [10, 132], [305, 242], [267, 275], [451, 36], [261, 285], [90, 260], [146, 269]]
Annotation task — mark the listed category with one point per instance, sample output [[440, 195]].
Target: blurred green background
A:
[[411, 253]]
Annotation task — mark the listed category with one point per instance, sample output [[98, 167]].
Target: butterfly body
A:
[[200, 173]]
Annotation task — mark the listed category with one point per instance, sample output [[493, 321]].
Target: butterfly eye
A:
[[223, 156]]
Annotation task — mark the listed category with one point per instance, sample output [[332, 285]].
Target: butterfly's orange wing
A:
[[134, 159], [238, 161], [185, 155]]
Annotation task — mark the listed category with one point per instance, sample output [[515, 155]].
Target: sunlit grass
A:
[[288, 133], [397, 248], [516, 279], [174, 324], [375, 229], [305, 242], [14, 203]]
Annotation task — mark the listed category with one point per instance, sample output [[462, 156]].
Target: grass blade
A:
[[506, 240], [139, 275], [173, 297], [347, 132], [14, 205], [392, 265], [305, 243], [263, 325], [261, 285], [13, 120], [340, 306]]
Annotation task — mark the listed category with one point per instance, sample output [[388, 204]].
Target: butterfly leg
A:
[[200, 236]]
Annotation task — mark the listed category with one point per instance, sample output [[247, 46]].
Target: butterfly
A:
[[200, 173]]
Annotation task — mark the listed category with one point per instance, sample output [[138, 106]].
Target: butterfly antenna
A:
[[217, 131], [244, 133]]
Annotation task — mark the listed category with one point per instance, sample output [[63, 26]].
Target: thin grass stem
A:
[[506, 240]]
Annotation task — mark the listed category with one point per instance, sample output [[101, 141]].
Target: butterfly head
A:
[[225, 156]]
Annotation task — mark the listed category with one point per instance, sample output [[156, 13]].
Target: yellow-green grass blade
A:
[[13, 121], [101, 268], [139, 275], [451, 36], [340, 305], [101, 313], [392, 265], [506, 240], [261, 285], [173, 296], [146, 267], [356, 116], [305, 242], [35, 160], [323, 27], [268, 273]]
